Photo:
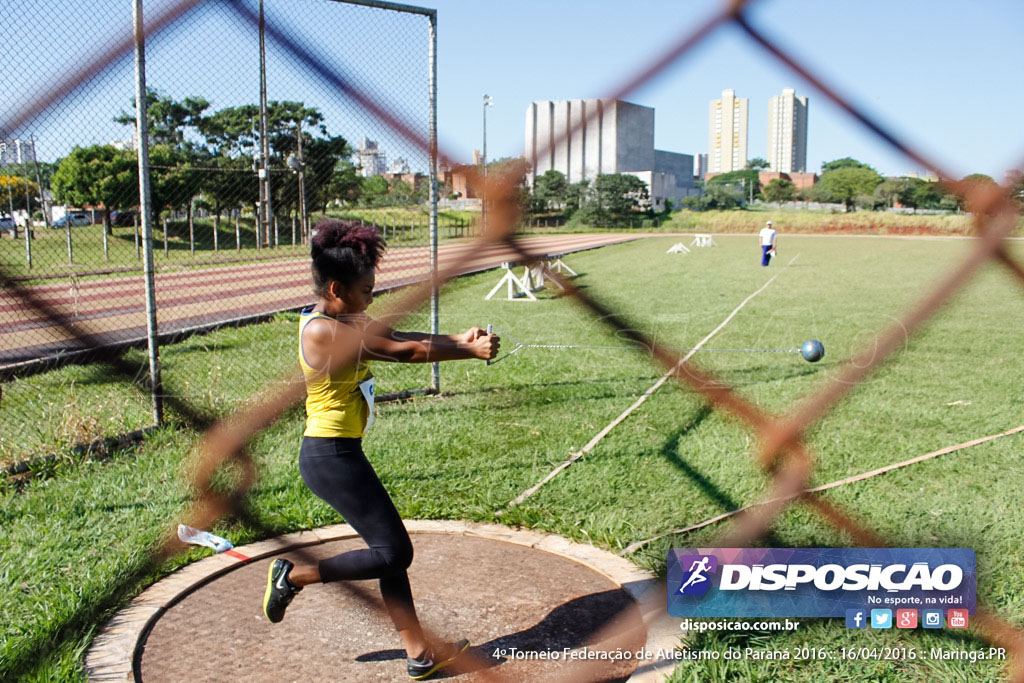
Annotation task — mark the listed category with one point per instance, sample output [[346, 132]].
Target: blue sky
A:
[[917, 65], [945, 76]]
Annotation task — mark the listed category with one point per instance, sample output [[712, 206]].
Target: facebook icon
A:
[[856, 618]]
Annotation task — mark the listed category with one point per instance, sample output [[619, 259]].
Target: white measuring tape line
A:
[[633, 547], [640, 401]]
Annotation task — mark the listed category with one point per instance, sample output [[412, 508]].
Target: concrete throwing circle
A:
[[529, 603]]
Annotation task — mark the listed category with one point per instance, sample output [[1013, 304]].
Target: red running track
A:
[[102, 311]]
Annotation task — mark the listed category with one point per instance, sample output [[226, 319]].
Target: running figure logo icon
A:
[[696, 581]]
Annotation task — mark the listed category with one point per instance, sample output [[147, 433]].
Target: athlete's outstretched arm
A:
[[326, 340]]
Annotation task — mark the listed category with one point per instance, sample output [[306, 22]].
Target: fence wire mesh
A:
[[222, 254], [780, 449]]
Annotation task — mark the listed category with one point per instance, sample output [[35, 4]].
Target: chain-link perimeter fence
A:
[[780, 446], [246, 152]]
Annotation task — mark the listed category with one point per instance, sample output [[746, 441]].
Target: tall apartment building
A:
[[727, 133], [787, 133], [608, 136], [16, 151], [372, 161]]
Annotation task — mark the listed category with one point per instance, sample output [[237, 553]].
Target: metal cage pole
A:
[[145, 210], [435, 300], [267, 213]]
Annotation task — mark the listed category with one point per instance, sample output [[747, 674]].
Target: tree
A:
[[921, 194], [100, 175], [173, 181], [1015, 181], [845, 183], [374, 191], [168, 118], [345, 185], [401, 192], [845, 162], [549, 189], [979, 179], [576, 195], [15, 191], [232, 131], [724, 197], [780, 190], [619, 195], [757, 163], [745, 179], [888, 191]]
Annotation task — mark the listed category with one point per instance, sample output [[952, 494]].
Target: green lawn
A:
[[74, 540]]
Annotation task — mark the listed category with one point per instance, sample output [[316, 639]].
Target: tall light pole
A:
[[488, 102]]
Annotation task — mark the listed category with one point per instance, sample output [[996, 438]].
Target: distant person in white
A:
[[767, 238]]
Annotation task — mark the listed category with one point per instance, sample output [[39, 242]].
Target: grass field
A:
[[74, 537]]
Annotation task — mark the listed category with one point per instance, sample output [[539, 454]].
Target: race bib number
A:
[[367, 388]]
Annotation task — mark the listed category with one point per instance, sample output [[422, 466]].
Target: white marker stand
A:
[[703, 240], [536, 273], [678, 248], [559, 266], [513, 283]]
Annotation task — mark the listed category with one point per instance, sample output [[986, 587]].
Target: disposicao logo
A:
[[696, 581], [817, 582]]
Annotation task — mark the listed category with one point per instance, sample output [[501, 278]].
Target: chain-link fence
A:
[[780, 449], [246, 149]]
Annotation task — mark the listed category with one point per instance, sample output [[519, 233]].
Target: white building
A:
[[727, 133], [787, 133], [400, 166], [16, 151], [608, 136], [700, 166], [127, 145], [371, 160]]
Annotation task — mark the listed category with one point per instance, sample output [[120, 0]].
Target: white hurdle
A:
[[558, 265], [703, 240], [678, 248], [534, 275], [517, 289]]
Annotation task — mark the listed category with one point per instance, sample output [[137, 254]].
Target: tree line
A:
[[611, 199], [206, 159], [845, 181], [616, 199]]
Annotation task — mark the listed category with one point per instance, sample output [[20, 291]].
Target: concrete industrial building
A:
[[609, 136], [787, 133], [727, 133]]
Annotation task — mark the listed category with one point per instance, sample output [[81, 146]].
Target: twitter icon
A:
[[881, 618]]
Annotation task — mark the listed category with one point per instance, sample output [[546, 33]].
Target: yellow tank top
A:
[[335, 406]]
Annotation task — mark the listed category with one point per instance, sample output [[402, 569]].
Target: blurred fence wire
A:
[[245, 150], [205, 175]]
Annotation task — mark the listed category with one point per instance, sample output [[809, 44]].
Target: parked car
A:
[[122, 218], [6, 223], [77, 220]]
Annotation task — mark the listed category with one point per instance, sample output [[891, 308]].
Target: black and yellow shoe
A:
[[280, 590], [435, 659]]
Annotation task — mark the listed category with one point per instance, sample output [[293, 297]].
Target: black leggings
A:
[[337, 471]]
